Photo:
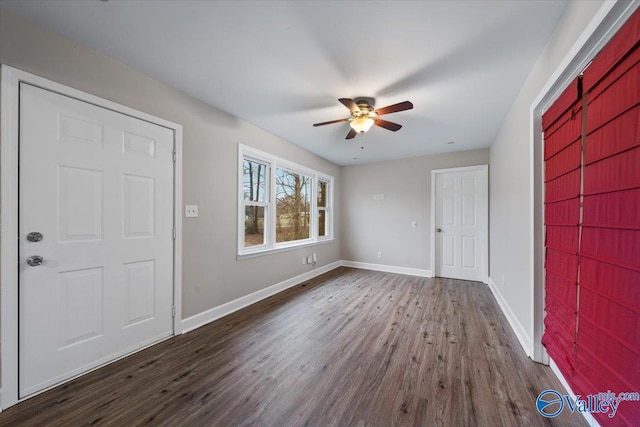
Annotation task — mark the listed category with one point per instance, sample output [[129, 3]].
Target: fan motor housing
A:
[[365, 104], [368, 101]]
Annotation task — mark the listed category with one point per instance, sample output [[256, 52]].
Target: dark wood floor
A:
[[351, 347]]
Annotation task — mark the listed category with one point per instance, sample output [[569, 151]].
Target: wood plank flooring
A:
[[351, 347]]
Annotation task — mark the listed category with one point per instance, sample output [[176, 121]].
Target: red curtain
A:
[[593, 299], [562, 154]]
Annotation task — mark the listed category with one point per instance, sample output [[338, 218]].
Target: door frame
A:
[[9, 214], [484, 169], [604, 25]]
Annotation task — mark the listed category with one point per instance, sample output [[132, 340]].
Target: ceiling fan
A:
[[363, 116]]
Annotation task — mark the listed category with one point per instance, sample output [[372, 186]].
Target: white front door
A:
[[460, 223], [97, 186]]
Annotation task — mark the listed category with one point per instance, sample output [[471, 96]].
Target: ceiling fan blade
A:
[[331, 122], [352, 133], [406, 105], [350, 104], [387, 125]]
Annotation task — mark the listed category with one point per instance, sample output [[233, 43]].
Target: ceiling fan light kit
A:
[[363, 116], [361, 124]]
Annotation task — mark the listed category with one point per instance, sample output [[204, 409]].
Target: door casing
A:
[[9, 193], [484, 169]]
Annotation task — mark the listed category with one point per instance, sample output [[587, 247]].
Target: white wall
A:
[[211, 274], [510, 193], [369, 226]]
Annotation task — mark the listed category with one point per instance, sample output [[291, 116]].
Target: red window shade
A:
[[619, 247], [619, 209], [562, 188], [598, 277], [563, 238], [562, 153], [594, 367], [564, 161], [619, 96], [619, 47], [559, 109], [592, 220], [619, 135], [563, 132], [560, 321], [565, 212], [615, 173]]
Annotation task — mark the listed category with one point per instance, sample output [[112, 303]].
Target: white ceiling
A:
[[282, 65]]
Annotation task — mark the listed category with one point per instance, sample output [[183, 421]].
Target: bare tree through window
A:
[[255, 197], [293, 206], [322, 208], [280, 204]]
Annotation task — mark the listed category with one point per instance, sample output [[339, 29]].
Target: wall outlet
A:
[[414, 224], [315, 257], [310, 259], [304, 259], [190, 211], [379, 254]]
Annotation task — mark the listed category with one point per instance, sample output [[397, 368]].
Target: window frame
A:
[[264, 204], [311, 216], [328, 210], [270, 204]]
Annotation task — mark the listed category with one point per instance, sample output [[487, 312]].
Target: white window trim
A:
[[244, 203], [274, 163], [328, 210]]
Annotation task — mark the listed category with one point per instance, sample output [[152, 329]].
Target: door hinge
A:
[[174, 156], [173, 233], [173, 310]]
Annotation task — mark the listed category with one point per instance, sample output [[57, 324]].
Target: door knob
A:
[[35, 260], [439, 230]]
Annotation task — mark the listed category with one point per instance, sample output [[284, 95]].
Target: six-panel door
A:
[[459, 224], [98, 186]]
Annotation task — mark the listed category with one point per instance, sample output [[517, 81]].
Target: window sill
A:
[[270, 251]]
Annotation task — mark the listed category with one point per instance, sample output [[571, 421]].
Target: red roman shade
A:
[[592, 220], [562, 155]]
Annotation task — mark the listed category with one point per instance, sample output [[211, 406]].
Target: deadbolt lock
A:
[[34, 236]]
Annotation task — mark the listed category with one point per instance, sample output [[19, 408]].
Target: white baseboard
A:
[[388, 268], [516, 326], [215, 313], [554, 368]]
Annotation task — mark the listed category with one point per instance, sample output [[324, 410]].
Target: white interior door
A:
[[461, 223], [98, 186]]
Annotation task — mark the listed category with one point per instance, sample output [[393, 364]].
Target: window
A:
[[280, 204], [323, 187], [293, 206], [254, 195]]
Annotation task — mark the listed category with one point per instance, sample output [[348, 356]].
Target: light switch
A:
[[190, 211], [414, 224]]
